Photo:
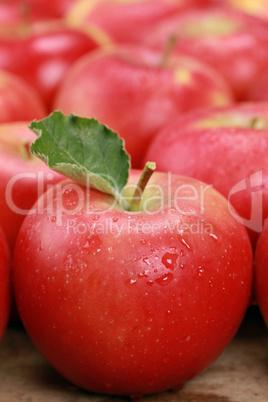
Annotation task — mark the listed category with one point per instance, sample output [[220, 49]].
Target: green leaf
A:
[[83, 150]]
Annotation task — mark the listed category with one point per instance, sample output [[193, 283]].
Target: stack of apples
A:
[[131, 281]]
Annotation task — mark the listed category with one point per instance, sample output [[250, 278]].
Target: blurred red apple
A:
[[225, 147], [258, 8], [17, 15], [11, 17], [233, 42], [47, 9], [258, 92], [18, 99], [43, 54], [23, 177], [123, 21], [135, 91]]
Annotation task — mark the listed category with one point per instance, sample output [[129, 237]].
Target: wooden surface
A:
[[239, 374]]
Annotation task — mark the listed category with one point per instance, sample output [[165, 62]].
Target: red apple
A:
[[46, 9], [258, 92], [18, 100], [136, 308], [258, 8], [233, 42], [135, 91], [43, 54], [261, 272], [123, 22], [127, 294], [11, 18], [5, 284], [23, 177], [225, 147], [17, 15]]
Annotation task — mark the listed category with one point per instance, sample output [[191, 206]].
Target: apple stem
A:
[[147, 172], [26, 19], [257, 123], [172, 40]]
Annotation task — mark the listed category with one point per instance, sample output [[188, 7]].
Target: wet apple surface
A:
[[130, 302]]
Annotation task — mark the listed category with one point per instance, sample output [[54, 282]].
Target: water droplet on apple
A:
[[165, 279], [53, 218], [184, 242], [170, 260], [143, 241], [130, 282], [215, 237], [115, 219], [146, 260], [200, 270], [143, 274], [91, 244], [218, 237], [83, 242], [95, 217]]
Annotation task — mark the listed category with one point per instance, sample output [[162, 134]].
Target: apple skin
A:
[[258, 8], [10, 17], [19, 101], [258, 92], [5, 284], [127, 89], [17, 15], [43, 55], [219, 146], [46, 9], [139, 311], [233, 42], [123, 22], [25, 170], [261, 272]]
